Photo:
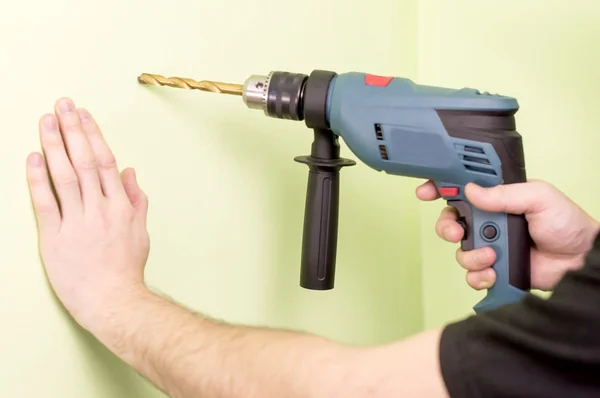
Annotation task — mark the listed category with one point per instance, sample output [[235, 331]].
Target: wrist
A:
[[110, 306]]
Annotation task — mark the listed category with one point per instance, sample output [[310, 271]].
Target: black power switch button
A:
[[490, 232]]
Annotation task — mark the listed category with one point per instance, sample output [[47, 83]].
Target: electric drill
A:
[[450, 136]]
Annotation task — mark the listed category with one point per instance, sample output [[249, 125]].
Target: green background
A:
[[226, 197]]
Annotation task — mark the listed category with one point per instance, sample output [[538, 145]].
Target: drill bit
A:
[[191, 84]]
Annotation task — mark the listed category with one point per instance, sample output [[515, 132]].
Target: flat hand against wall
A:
[[93, 240], [94, 245], [562, 232]]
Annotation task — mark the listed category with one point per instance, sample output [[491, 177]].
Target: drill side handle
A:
[[319, 238]]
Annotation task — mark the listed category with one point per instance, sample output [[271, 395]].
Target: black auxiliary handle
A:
[[319, 238], [295, 96]]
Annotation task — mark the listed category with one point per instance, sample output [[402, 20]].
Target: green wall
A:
[[226, 197]]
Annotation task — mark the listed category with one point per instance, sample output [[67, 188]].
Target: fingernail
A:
[[34, 160], [50, 124], [485, 284], [65, 105], [84, 115]]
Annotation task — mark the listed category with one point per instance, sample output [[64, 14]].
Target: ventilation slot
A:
[[474, 159], [378, 132], [480, 170], [383, 152], [473, 149]]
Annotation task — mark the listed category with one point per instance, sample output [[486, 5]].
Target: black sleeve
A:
[[538, 348]]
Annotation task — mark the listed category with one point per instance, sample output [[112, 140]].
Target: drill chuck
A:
[[254, 92], [279, 94]]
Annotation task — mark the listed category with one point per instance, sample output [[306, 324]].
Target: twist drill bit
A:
[[191, 84], [277, 94]]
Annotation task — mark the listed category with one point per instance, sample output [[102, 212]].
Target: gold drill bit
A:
[[190, 84]]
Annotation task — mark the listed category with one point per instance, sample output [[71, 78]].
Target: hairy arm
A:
[[188, 355], [94, 245]]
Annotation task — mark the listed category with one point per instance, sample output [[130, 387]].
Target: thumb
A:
[[517, 198], [136, 196]]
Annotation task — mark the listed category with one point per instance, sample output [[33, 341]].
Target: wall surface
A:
[[226, 197], [543, 52]]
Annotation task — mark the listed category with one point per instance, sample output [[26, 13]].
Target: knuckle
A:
[[87, 164], [44, 206], [66, 182], [124, 210], [499, 192], [108, 162], [542, 187], [469, 260], [476, 259]]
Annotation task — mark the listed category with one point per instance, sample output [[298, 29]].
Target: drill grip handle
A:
[[491, 153], [508, 236], [319, 239]]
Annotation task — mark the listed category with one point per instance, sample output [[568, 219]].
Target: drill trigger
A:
[[465, 219]]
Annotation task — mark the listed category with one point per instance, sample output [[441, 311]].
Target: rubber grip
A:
[[320, 234], [319, 240]]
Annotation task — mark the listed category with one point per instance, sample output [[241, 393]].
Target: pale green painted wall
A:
[[226, 197], [545, 53]]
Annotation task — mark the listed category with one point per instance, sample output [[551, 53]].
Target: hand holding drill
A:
[[562, 232]]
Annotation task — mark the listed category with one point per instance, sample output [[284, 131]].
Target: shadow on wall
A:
[[378, 295], [109, 375]]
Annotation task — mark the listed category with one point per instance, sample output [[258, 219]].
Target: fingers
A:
[[478, 264], [447, 228], [44, 203], [480, 280], [427, 191], [108, 172], [518, 198], [477, 259], [62, 173], [136, 196], [79, 151]]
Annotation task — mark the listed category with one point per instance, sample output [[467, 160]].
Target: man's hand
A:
[[562, 232], [93, 240]]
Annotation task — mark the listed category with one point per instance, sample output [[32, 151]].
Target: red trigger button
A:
[[379, 81], [448, 191]]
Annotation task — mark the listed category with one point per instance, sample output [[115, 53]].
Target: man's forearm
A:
[[187, 355]]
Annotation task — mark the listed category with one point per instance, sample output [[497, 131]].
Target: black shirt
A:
[[538, 348]]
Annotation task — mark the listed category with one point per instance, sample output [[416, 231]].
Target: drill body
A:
[[452, 137]]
